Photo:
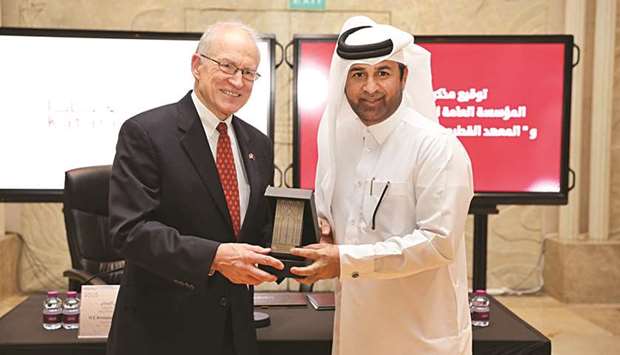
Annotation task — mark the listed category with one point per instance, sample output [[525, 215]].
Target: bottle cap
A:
[[52, 293], [71, 294]]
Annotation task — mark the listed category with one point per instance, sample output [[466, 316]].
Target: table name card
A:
[[96, 310]]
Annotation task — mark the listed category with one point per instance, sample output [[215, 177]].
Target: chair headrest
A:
[[87, 189]]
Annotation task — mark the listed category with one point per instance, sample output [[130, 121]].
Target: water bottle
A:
[[479, 307], [71, 311], [52, 311]]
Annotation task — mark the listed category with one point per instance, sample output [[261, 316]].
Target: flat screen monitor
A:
[[64, 95], [507, 98]]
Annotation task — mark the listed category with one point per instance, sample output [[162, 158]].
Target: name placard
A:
[[96, 310]]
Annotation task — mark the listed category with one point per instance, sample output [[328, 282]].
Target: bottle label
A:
[[480, 316], [71, 318], [51, 318]]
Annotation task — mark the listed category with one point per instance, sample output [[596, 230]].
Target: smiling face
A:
[[224, 94], [375, 91]]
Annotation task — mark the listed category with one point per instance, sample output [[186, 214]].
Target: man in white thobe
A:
[[392, 189]]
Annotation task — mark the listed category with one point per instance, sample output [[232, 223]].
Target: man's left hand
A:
[[326, 263]]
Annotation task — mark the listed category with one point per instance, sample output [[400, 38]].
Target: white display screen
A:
[[64, 98]]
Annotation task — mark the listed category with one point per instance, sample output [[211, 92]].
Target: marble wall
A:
[[10, 250], [614, 228], [2, 219], [515, 235], [582, 272]]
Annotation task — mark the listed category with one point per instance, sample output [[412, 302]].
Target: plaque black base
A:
[[289, 261]]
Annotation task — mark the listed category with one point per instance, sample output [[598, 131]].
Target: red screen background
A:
[[526, 77]]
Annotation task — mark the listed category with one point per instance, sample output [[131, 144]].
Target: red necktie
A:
[[228, 176]]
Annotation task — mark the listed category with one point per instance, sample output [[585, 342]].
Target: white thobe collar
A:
[[377, 134]]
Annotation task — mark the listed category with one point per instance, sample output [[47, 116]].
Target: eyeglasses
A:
[[231, 69]]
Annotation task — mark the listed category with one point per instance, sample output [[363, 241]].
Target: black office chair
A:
[[93, 259]]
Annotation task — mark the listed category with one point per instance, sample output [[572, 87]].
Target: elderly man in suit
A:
[[188, 214]]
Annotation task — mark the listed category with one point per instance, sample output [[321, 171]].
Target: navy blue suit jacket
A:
[[168, 215]]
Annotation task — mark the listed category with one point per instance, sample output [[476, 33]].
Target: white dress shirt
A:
[[209, 123], [401, 195]]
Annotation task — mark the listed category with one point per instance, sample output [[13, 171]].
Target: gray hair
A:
[[207, 37]]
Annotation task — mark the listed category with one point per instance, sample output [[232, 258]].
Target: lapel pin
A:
[[251, 156]]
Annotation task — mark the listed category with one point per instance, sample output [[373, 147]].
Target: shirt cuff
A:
[[356, 261]]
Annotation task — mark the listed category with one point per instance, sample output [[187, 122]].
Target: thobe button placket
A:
[[363, 226], [369, 143]]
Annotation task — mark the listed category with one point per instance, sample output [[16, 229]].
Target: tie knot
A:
[[222, 128]]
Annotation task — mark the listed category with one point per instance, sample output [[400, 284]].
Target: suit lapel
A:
[[248, 156], [194, 142]]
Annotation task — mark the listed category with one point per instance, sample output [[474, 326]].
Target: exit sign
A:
[[306, 4]]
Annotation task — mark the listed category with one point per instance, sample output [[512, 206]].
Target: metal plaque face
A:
[[288, 225]]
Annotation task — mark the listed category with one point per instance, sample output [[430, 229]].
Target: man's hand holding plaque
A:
[[295, 225], [325, 262], [325, 257]]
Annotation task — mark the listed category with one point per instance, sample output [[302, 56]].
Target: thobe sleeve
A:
[[324, 177], [442, 193]]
